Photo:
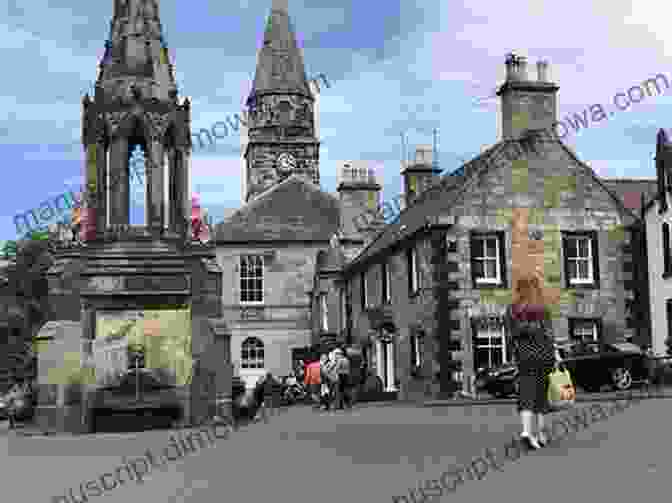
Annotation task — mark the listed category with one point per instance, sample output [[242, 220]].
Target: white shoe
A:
[[529, 441]]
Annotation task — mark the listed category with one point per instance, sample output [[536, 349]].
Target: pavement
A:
[[371, 454]]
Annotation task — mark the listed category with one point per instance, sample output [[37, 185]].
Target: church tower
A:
[[135, 107], [281, 123]]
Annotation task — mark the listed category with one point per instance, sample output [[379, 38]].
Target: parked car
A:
[[501, 381], [22, 399], [137, 390], [592, 365], [595, 364]]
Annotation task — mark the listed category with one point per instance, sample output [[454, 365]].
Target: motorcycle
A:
[[500, 382]]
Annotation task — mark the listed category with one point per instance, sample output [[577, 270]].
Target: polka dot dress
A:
[[535, 356]]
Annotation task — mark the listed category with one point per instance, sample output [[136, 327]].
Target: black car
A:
[[137, 391], [595, 364], [500, 381], [21, 400], [591, 364]]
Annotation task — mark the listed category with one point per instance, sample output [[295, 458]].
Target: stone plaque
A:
[[160, 283], [106, 284], [252, 313]]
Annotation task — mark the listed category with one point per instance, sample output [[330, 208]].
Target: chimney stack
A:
[[526, 105]]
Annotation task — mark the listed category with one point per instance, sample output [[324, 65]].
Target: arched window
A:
[[252, 354]]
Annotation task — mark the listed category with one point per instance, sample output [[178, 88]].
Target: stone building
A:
[[267, 249], [428, 294], [658, 217]]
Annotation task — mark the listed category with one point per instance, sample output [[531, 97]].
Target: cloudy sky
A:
[[392, 67]]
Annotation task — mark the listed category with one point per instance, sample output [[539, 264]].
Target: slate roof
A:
[[440, 198], [293, 210]]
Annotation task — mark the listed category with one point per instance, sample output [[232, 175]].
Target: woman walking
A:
[[530, 327]]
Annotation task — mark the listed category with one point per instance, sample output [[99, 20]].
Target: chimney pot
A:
[[542, 71], [423, 154], [522, 68], [511, 67]]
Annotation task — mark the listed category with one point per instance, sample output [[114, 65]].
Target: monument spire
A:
[[136, 51]]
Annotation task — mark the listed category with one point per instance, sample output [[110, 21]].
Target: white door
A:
[[385, 364]]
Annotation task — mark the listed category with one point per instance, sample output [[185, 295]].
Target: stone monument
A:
[[118, 272]]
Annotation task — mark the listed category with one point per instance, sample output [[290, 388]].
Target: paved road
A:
[[370, 454]]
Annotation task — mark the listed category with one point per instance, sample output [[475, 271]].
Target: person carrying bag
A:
[[561, 390]]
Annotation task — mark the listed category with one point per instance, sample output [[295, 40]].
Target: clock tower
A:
[[281, 122]]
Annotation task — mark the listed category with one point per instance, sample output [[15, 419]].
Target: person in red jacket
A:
[[313, 381]]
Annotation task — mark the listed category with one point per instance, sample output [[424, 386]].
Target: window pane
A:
[[496, 357], [478, 268], [492, 248], [572, 269], [583, 247], [583, 269], [491, 269], [571, 247], [481, 358], [478, 248]]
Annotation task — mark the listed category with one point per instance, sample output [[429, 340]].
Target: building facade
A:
[[428, 294], [267, 249], [658, 217]]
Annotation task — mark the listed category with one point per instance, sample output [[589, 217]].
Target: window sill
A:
[[584, 286], [489, 284]]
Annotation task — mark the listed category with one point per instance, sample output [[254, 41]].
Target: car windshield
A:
[[627, 346]]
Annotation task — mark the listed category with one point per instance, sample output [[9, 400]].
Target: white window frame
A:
[[387, 293], [324, 312], [591, 273], [252, 344], [417, 354], [489, 345], [497, 258], [413, 273], [365, 290], [595, 331], [255, 258], [344, 308]]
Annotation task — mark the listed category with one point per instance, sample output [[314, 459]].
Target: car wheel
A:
[[621, 378]]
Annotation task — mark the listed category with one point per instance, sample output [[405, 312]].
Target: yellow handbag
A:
[[561, 390]]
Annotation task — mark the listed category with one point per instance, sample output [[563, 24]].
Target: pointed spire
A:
[[280, 66], [136, 51]]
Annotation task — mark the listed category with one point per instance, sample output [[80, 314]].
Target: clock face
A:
[[286, 162]]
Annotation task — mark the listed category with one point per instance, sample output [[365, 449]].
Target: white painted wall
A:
[[661, 289]]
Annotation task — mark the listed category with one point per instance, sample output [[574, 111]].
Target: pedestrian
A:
[[530, 327], [327, 380], [267, 396], [313, 381], [342, 369]]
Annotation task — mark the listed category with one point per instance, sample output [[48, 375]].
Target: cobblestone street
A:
[[369, 454]]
